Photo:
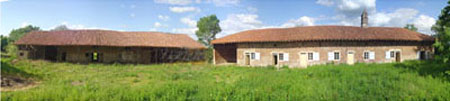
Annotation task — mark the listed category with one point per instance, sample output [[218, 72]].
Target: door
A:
[[303, 60], [398, 57], [51, 53], [351, 58], [247, 59], [275, 59]]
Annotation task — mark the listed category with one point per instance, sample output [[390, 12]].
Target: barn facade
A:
[[103, 46], [311, 45]]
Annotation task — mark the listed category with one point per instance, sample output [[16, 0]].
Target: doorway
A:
[[63, 56], [303, 60], [275, 59], [247, 59], [398, 56], [350, 57], [422, 55], [51, 53]]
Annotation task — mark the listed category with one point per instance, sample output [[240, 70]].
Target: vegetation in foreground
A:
[[186, 81]]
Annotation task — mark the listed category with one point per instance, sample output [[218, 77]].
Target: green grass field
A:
[[65, 81]]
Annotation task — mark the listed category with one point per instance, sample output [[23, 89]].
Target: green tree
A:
[[60, 28], [411, 27], [442, 30], [18, 33], [4, 40], [208, 27]]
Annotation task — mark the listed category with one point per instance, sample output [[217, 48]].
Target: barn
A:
[[105, 46], [311, 45]]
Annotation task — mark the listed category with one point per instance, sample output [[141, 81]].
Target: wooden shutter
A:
[[371, 55], [316, 56], [257, 56], [330, 55], [286, 56], [388, 54]]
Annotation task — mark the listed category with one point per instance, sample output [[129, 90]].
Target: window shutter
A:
[[286, 56], [418, 55], [330, 55], [371, 55], [257, 56], [316, 56], [388, 54]]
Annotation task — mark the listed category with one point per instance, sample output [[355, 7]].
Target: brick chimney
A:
[[364, 19]]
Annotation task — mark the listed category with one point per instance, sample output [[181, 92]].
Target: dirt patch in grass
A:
[[14, 83]]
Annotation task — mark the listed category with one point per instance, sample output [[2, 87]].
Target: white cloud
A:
[[424, 24], [302, 21], [75, 26], [132, 6], [132, 15], [163, 17], [398, 18], [24, 24], [325, 2], [239, 22], [174, 2], [223, 2], [3, 1], [160, 25], [252, 9], [188, 21], [189, 31], [184, 9]]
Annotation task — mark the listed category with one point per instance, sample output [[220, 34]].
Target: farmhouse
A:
[[310, 45], [86, 46]]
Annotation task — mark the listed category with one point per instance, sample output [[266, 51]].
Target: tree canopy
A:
[[442, 30], [4, 40], [60, 27], [411, 27], [208, 27], [18, 33]]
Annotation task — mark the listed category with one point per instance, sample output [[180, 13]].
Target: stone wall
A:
[[408, 51], [143, 55]]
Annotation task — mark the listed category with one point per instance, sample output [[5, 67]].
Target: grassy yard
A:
[[184, 81]]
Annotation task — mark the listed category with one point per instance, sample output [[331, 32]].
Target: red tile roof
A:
[[108, 38], [324, 33]]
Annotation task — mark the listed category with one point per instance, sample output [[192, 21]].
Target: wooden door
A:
[[351, 58], [303, 60], [398, 57], [247, 59]]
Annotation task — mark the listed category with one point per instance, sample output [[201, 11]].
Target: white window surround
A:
[[315, 55], [388, 53], [284, 55], [253, 55], [331, 55], [370, 55]]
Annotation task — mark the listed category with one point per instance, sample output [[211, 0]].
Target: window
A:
[[392, 54], [366, 55], [281, 56], [252, 55], [21, 54], [336, 56], [310, 56]]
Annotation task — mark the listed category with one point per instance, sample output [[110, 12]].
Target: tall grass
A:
[[66, 81]]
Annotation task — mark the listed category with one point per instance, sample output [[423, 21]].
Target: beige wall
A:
[[408, 51], [77, 54]]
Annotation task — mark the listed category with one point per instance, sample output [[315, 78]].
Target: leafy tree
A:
[[18, 33], [208, 27], [60, 28], [411, 27], [4, 40], [442, 30]]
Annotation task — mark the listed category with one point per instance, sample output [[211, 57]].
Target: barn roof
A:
[[324, 33], [108, 38]]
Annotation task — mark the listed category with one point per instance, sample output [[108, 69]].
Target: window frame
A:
[[338, 55], [366, 53], [310, 56]]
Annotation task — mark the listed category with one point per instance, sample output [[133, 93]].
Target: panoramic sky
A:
[[180, 16]]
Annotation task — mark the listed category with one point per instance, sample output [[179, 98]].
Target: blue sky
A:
[[180, 16]]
